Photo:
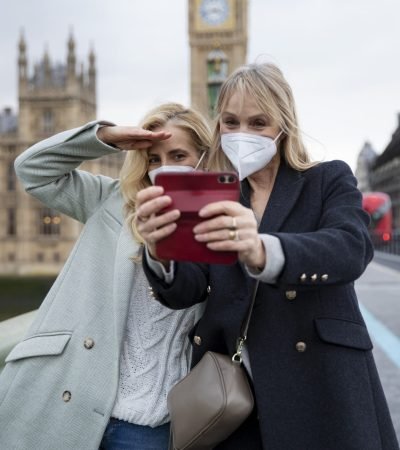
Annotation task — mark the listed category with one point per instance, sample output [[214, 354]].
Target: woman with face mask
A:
[[300, 230], [98, 361]]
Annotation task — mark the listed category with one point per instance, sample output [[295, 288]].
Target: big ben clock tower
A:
[[218, 44]]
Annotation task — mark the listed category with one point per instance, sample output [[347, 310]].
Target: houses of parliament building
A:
[[35, 240]]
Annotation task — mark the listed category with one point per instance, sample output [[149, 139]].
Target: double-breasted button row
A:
[[314, 277], [88, 343]]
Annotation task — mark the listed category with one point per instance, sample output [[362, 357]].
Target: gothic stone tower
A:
[[218, 44], [57, 96], [36, 240]]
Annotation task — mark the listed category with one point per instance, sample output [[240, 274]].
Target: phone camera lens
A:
[[231, 179], [221, 179]]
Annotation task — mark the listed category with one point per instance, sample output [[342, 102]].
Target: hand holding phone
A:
[[189, 193]]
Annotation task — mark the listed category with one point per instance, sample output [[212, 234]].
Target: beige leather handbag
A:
[[213, 400]]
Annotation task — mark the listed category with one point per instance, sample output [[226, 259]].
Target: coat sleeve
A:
[[48, 171], [189, 285], [339, 250]]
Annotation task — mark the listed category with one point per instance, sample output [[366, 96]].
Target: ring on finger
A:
[[143, 218], [234, 224], [233, 235]]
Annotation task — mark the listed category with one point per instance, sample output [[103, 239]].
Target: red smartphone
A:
[[190, 191]]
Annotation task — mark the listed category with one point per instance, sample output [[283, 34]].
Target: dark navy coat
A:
[[314, 376]]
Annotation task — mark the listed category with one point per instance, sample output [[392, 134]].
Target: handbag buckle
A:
[[237, 357]]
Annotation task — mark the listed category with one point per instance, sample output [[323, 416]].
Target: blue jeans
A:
[[121, 435]]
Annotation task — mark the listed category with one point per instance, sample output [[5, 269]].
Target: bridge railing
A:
[[12, 331]]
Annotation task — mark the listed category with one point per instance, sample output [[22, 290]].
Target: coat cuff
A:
[[159, 270]]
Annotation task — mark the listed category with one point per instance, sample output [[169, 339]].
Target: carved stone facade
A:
[[35, 240], [218, 44]]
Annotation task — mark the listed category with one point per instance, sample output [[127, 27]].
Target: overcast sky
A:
[[340, 56]]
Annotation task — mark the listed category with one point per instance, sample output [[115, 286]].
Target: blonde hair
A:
[[273, 95], [133, 175]]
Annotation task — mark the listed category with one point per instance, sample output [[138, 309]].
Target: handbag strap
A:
[[237, 357]]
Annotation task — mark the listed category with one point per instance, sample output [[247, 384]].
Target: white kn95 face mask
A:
[[248, 153], [163, 169]]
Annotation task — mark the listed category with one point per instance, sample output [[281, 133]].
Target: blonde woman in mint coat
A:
[[95, 366]]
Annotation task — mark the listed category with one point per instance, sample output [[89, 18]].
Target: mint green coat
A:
[[58, 388]]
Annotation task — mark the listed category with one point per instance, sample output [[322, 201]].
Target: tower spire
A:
[[71, 58], [22, 60], [46, 66], [92, 70]]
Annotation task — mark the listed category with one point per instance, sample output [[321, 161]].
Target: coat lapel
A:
[[287, 188], [285, 193]]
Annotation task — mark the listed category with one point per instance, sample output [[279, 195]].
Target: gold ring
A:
[[234, 225], [143, 219], [233, 235]]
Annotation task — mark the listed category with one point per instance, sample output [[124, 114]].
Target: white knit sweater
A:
[[154, 357]]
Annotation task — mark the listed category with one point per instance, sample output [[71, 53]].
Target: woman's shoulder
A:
[[115, 200], [336, 165], [328, 170], [328, 176]]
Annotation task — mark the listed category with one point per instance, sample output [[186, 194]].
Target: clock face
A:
[[214, 12]]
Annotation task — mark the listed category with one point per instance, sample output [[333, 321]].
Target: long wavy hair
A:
[[133, 175], [273, 95]]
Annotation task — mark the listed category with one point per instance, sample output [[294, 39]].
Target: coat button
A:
[[301, 347], [197, 340], [324, 277], [303, 277], [88, 343], [290, 295], [314, 277], [208, 289], [66, 396]]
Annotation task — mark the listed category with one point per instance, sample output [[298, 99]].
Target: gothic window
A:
[[217, 71], [49, 224], [11, 177], [48, 121], [12, 223]]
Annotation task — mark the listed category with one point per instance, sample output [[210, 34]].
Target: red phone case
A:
[[190, 191]]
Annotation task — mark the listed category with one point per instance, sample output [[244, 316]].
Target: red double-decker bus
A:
[[379, 207]]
